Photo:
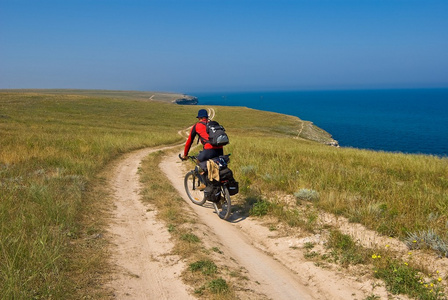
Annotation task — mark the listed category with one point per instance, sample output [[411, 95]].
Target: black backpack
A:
[[217, 135]]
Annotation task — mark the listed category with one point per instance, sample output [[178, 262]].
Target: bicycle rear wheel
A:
[[191, 183], [224, 207]]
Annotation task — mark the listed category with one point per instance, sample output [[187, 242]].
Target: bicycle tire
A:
[[191, 183], [226, 205]]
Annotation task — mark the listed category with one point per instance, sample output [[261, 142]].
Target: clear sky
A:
[[223, 45]]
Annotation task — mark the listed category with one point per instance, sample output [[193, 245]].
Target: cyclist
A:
[[209, 151], [200, 128]]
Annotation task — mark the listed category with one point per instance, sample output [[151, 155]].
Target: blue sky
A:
[[223, 45]]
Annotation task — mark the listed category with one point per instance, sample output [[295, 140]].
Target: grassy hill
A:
[[128, 95], [54, 144]]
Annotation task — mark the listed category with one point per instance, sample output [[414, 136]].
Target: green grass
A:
[[401, 278], [207, 267], [260, 208], [389, 192], [218, 286], [190, 238], [400, 275], [345, 250]]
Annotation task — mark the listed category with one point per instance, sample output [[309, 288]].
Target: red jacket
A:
[[199, 129]]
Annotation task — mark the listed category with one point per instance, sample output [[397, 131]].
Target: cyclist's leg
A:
[[205, 155], [201, 171]]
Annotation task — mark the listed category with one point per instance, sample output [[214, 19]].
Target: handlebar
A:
[[188, 157], [194, 158]]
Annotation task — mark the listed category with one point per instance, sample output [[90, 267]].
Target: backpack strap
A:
[[199, 136]]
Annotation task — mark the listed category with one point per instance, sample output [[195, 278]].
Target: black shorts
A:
[[207, 154]]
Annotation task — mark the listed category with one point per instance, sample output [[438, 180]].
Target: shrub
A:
[[345, 249], [427, 239], [207, 267], [307, 195], [260, 208], [248, 170], [218, 286]]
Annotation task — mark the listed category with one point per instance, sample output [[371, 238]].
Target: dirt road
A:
[[143, 270]]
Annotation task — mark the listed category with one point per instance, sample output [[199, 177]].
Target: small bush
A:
[[307, 195], [218, 286], [248, 170], [400, 279], [427, 240], [345, 249], [260, 208], [207, 267]]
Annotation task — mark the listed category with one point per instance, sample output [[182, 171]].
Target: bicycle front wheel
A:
[[191, 183], [224, 207]]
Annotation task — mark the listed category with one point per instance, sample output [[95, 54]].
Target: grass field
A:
[[53, 149], [123, 95]]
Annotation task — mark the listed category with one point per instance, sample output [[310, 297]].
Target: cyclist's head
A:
[[202, 113]]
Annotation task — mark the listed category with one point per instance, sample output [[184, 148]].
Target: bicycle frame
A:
[[222, 206]]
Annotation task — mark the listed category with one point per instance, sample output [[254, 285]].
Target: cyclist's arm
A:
[[190, 140]]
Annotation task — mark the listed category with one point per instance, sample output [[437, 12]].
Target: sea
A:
[[396, 120]]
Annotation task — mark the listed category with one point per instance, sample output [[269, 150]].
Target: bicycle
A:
[[192, 181]]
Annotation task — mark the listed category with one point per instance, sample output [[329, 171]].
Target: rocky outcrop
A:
[[187, 100], [311, 132]]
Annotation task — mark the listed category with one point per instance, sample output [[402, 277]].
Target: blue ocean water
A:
[[409, 121]]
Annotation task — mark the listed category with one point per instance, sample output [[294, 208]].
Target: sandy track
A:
[[143, 268]]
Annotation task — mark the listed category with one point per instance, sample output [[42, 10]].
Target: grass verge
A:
[[394, 194]]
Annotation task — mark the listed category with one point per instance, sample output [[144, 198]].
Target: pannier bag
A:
[[227, 175], [217, 135], [212, 193], [233, 187]]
